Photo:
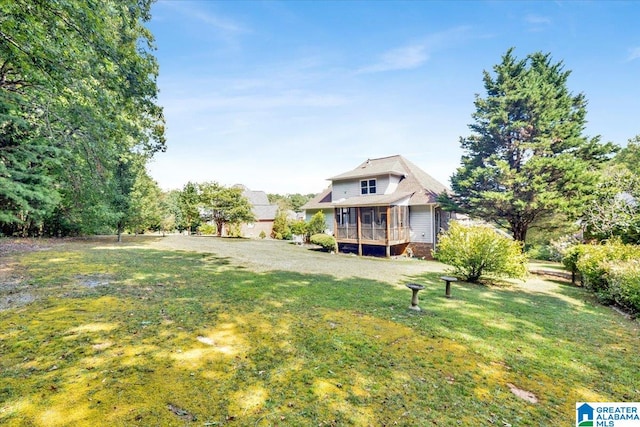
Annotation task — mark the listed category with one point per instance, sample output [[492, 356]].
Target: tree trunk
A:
[[519, 231]]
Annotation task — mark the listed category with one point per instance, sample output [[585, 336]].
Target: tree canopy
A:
[[290, 201], [527, 157], [78, 100], [224, 205], [614, 211]]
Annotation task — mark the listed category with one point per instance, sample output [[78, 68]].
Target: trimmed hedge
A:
[[328, 243]]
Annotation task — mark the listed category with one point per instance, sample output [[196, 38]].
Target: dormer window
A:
[[368, 186]]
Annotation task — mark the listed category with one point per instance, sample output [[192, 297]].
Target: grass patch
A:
[[138, 335]]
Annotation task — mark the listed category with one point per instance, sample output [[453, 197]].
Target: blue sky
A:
[[281, 95]]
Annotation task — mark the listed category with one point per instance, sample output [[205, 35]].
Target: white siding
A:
[[351, 188], [421, 221], [382, 184], [392, 184], [345, 190], [328, 217]]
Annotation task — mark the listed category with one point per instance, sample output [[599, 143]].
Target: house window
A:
[[368, 186]]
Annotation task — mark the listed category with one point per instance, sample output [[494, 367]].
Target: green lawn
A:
[[96, 333]]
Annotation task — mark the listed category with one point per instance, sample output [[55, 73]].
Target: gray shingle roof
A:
[[422, 188], [262, 209], [373, 200], [320, 201], [372, 167]]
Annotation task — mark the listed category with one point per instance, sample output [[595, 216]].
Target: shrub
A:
[[593, 262], [543, 253], [555, 250], [570, 260], [281, 229], [262, 235], [298, 227], [317, 224], [234, 229], [328, 243], [206, 229], [624, 284], [608, 271], [478, 250]]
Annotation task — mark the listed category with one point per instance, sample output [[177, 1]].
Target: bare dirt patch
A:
[[93, 280], [523, 394], [12, 295], [13, 289], [10, 246]]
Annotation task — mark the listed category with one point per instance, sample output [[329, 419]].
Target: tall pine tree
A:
[[527, 157]]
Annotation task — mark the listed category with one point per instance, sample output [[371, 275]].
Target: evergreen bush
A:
[[317, 224], [281, 229]]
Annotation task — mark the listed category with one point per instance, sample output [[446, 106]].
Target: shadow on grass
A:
[[173, 338]]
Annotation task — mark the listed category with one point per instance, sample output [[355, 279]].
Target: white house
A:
[[386, 206]]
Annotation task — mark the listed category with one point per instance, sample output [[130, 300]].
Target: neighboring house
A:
[[385, 206], [264, 211]]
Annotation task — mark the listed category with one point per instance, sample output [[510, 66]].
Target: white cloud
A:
[[402, 58], [634, 53], [216, 101], [414, 55], [225, 26], [537, 20]]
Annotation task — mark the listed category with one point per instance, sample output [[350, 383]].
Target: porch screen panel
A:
[[399, 226], [373, 223], [347, 225]]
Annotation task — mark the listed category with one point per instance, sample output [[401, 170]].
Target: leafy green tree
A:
[[297, 200], [168, 224], [171, 213], [122, 187], [526, 158], [189, 202], [629, 156], [281, 229], [290, 201], [145, 209], [225, 206], [615, 208], [475, 251], [83, 76]]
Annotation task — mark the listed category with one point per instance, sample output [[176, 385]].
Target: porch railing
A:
[[372, 232]]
